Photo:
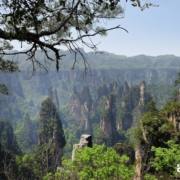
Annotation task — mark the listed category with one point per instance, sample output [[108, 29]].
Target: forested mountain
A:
[[27, 90]]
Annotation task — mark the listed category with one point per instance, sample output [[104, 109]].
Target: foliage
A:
[[50, 124], [150, 177], [98, 162], [171, 107], [7, 138], [48, 24], [8, 168], [8, 151], [167, 158], [27, 166], [155, 128], [151, 107], [102, 162], [8, 66]]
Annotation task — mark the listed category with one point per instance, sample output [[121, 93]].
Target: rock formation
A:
[[85, 141], [108, 120], [133, 104], [81, 109], [142, 93], [54, 96]]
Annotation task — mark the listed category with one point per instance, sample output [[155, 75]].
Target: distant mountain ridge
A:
[[102, 60]]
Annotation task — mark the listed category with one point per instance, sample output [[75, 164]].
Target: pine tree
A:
[[51, 135], [8, 151]]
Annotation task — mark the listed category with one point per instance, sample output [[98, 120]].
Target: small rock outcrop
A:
[[85, 141]]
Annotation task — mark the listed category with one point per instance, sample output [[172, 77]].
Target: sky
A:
[[154, 31]]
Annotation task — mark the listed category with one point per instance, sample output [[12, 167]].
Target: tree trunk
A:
[[138, 166]]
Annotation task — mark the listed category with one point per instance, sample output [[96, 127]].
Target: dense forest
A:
[[132, 115]]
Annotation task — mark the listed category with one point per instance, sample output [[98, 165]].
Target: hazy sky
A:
[[155, 31]]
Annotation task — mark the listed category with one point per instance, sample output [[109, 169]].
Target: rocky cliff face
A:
[[112, 108], [28, 91]]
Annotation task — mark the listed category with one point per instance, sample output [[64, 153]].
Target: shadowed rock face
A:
[[108, 120], [133, 104], [130, 101], [81, 108], [86, 140]]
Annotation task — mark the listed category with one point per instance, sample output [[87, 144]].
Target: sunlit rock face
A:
[[85, 141], [142, 93]]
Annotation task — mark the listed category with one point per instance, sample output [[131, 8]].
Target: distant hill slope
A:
[[106, 60]]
